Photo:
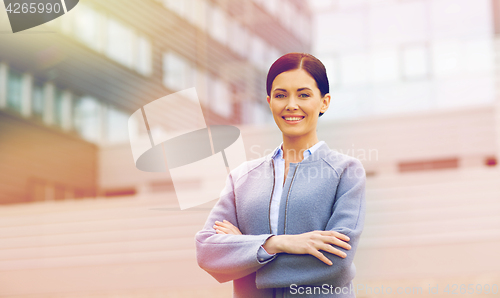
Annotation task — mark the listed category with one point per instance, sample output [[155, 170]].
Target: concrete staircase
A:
[[421, 228], [121, 247]]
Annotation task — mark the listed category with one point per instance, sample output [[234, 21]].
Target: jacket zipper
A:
[[286, 203], [271, 199]]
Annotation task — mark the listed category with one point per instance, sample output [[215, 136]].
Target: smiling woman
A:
[[269, 231], [296, 102]]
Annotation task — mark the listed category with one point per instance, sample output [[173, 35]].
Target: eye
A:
[[304, 95], [279, 95]]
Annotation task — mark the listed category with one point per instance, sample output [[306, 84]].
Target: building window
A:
[[189, 6], [120, 40], [88, 118], [201, 84], [446, 58], [238, 39], [4, 73], [86, 28], [58, 107], [183, 8], [14, 90], [62, 109], [257, 51], [217, 23], [199, 14], [144, 56], [116, 121], [354, 69], [385, 66], [38, 101], [331, 65], [177, 72], [233, 34], [272, 55], [220, 100], [109, 36], [415, 62], [260, 113]]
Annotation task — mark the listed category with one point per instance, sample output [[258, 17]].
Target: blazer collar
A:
[[321, 152]]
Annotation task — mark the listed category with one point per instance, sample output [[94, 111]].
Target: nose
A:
[[292, 104]]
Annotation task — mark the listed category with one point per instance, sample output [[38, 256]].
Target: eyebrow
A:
[[300, 89]]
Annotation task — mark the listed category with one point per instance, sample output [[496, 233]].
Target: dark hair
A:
[[303, 61]]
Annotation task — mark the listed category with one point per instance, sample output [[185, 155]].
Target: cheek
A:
[[312, 107], [276, 107]]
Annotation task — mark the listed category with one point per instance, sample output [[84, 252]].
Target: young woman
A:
[[288, 224]]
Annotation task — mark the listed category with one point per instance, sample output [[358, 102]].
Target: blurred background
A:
[[415, 97]]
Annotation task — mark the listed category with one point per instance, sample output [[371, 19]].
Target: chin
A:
[[293, 134]]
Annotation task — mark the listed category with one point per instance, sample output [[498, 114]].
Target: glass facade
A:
[[383, 53], [109, 36], [102, 61], [89, 117], [114, 38], [231, 30]]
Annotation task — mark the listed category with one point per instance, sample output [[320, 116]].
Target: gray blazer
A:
[[324, 192]]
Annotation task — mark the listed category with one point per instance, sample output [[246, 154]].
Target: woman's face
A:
[[296, 102]]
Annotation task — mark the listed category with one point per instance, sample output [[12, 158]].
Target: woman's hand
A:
[[225, 227], [309, 243], [306, 243]]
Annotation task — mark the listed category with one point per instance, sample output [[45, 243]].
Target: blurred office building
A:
[[415, 97], [416, 84], [68, 87], [78, 219]]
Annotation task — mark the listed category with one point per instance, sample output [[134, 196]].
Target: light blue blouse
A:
[[279, 176]]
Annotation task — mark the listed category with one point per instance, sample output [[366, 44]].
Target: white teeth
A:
[[293, 119]]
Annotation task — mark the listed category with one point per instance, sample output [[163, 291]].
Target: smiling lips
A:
[[292, 119]]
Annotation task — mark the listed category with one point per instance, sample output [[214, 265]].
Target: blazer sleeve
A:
[[347, 218], [227, 257]]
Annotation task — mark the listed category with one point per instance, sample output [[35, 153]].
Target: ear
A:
[[325, 102], [269, 101]]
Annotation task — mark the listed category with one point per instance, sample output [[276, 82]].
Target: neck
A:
[[294, 147]]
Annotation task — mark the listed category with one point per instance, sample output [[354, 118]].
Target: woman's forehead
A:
[[294, 80]]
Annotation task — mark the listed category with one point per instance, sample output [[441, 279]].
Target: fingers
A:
[[335, 234], [339, 243], [335, 238], [226, 227], [330, 243], [221, 230], [334, 250], [321, 257], [224, 223]]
